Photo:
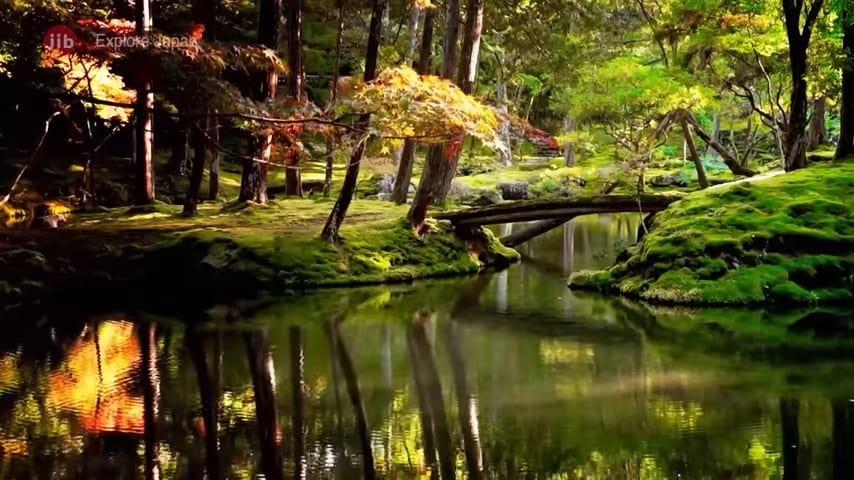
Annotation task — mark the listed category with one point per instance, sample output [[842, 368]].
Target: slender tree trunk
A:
[[296, 90], [845, 147], [253, 181], [403, 179], [470, 55], [505, 156], [179, 159], [261, 368], [795, 141], [349, 372], [333, 96], [144, 120], [466, 404], [716, 132], [298, 389], [208, 394], [150, 398], [409, 58], [569, 148], [213, 171], [339, 210], [199, 148], [436, 165], [692, 149]]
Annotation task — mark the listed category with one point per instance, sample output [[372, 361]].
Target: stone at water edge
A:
[[513, 190], [668, 180]]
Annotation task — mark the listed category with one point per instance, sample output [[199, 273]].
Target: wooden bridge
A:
[[554, 213]]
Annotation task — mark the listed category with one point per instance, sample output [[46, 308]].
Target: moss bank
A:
[[787, 239], [240, 251]]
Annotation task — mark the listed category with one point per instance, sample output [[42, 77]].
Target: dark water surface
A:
[[502, 376]]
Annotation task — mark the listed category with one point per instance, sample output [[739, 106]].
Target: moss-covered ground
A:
[[785, 239], [236, 251]]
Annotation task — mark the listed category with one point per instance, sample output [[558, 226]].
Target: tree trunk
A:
[[261, 369], [296, 90], [818, 126], [199, 148], [692, 149], [213, 172], [435, 165], [845, 147], [408, 58], [333, 96], [716, 132], [470, 54], [339, 210], [505, 156], [253, 181], [150, 398], [298, 389], [569, 148], [407, 159], [144, 119], [179, 159], [795, 141], [734, 166]]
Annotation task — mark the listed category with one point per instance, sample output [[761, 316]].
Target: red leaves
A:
[[198, 31], [115, 26], [454, 147]]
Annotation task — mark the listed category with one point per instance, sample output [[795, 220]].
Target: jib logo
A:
[[60, 38]]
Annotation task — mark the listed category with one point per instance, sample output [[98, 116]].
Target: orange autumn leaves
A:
[[427, 108]]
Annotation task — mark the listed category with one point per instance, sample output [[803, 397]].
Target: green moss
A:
[[787, 238], [590, 280]]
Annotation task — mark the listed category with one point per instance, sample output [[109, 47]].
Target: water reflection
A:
[[438, 380]]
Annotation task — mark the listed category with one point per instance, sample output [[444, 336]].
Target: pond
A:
[[502, 376]]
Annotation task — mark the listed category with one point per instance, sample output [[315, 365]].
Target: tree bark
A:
[[795, 141], [403, 179], [569, 148], [261, 369], [253, 181], [470, 54], [845, 147], [716, 132], [339, 210], [409, 58], [144, 119], [692, 149], [213, 171], [191, 202], [333, 97], [435, 165], [818, 126], [179, 159], [296, 90], [505, 156]]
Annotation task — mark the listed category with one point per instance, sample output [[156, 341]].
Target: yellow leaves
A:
[[82, 72], [422, 4], [430, 109]]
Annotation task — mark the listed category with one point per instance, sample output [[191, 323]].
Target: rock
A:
[[385, 184], [380, 196], [668, 179], [574, 181], [461, 191], [484, 197], [513, 190]]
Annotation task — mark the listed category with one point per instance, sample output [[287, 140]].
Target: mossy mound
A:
[[785, 239]]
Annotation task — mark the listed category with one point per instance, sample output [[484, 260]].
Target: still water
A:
[[502, 376]]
